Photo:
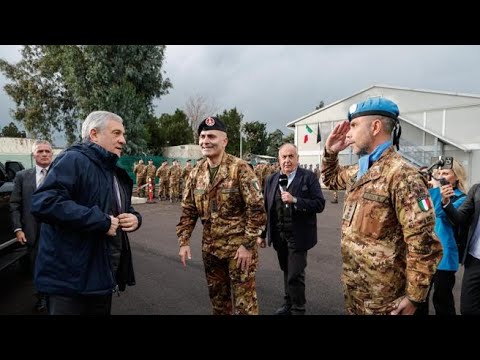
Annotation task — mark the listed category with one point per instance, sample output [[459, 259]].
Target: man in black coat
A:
[[468, 215], [23, 222], [292, 223]]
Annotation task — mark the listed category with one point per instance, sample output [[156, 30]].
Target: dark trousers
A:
[[79, 305], [293, 263], [442, 285], [470, 294]]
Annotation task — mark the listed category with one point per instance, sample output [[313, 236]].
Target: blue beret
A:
[[374, 106], [212, 123]]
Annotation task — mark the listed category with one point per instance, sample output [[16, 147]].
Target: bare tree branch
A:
[[197, 108]]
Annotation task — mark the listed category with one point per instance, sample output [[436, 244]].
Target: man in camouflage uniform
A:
[[162, 174], [316, 171], [185, 173], [224, 193], [261, 172], [389, 249], [141, 179], [149, 172], [174, 175]]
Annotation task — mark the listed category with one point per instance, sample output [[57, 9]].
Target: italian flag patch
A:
[[425, 204]]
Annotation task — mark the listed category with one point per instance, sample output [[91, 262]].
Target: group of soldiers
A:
[[172, 179]]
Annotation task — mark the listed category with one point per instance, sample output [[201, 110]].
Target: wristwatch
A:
[[248, 246], [416, 303], [294, 200]]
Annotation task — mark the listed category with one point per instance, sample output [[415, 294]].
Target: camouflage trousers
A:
[[174, 190], [362, 303], [232, 291], [140, 182], [163, 189]]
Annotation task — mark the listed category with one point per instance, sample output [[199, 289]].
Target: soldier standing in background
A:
[[389, 247], [223, 191], [149, 172], [174, 175], [316, 171], [141, 178], [185, 173], [162, 174]]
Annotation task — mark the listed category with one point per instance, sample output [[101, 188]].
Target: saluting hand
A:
[[337, 140]]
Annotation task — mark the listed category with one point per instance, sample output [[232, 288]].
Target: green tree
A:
[[55, 86], [168, 130], [11, 130], [256, 137], [275, 139], [290, 138], [232, 118]]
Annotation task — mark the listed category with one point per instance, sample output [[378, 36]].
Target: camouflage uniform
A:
[[185, 173], [316, 171], [174, 175], [389, 247], [232, 213], [260, 172], [149, 172], [162, 174], [141, 179]]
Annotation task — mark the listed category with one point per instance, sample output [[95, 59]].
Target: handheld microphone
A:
[[283, 182]]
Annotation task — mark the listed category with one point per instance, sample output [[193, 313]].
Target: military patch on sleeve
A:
[[425, 203], [255, 185]]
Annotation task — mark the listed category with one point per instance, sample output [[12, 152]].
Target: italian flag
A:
[[425, 204], [310, 131]]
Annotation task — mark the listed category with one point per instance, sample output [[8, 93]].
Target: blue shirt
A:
[[445, 231], [291, 176]]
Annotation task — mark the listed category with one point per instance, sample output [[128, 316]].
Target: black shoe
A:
[[284, 310]]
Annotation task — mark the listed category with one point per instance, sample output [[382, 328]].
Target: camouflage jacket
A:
[[231, 209], [174, 173], [138, 170], [388, 245]]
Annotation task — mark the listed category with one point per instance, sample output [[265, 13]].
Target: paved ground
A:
[[165, 287]]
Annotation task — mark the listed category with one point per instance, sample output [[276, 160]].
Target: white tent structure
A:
[[433, 123]]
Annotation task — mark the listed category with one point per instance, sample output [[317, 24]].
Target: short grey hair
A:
[[288, 144], [36, 143], [97, 120]]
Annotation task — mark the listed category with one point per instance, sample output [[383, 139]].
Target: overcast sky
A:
[[278, 84]]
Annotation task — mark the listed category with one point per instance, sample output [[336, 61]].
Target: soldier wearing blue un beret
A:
[[389, 248]]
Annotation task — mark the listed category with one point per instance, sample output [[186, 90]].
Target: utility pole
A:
[[241, 139]]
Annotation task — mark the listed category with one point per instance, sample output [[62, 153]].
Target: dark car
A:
[[10, 249]]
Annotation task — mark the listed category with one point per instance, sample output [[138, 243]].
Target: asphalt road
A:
[[165, 287]]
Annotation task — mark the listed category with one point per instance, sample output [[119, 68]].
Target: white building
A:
[[19, 149], [433, 123]]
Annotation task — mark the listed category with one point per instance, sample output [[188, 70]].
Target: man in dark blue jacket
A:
[[85, 207], [292, 224]]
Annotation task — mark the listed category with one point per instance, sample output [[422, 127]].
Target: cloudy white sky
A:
[[277, 84]]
